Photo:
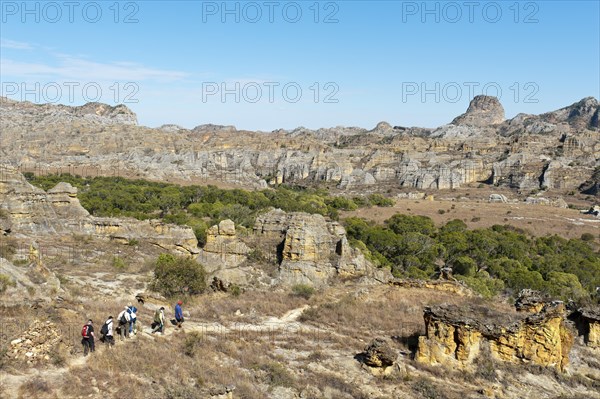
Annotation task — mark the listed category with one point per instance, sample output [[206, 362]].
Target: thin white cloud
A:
[[73, 68], [15, 45]]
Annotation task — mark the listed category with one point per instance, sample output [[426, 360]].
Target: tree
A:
[[178, 275]]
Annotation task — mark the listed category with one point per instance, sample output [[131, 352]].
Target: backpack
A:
[[157, 316], [123, 319], [104, 329], [85, 331]]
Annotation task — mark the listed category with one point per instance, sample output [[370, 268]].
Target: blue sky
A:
[[278, 64]]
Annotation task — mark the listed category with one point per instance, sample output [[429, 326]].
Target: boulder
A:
[[498, 198], [530, 301], [379, 354]]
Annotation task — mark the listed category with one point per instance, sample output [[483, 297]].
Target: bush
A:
[[427, 390], [587, 237], [380, 200], [119, 263], [5, 282], [303, 290], [235, 290], [178, 275]]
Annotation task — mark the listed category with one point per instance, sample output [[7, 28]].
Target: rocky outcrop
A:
[[530, 301], [313, 250], [30, 284], [556, 150], [454, 287], [33, 212], [379, 354], [583, 114], [588, 321], [38, 344], [223, 254], [483, 111], [455, 337]]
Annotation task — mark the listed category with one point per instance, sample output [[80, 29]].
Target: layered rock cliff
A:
[[312, 250], [556, 150], [33, 212], [456, 337]]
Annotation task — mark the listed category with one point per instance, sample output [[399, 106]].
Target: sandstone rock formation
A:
[[379, 354], [33, 212], [588, 319], [454, 287], [556, 150], [224, 252], [312, 250], [29, 284], [483, 111], [530, 301], [456, 337]]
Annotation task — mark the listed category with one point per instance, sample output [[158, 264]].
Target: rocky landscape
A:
[[293, 307], [552, 151]]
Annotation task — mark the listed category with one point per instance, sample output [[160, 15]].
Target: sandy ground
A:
[[538, 220]]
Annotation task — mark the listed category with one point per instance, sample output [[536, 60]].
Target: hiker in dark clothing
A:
[[123, 318], [107, 332], [179, 314], [87, 338]]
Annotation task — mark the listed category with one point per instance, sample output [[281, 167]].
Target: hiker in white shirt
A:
[[124, 318]]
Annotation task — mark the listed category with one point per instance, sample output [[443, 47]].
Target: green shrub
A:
[[465, 266], [118, 263], [587, 237], [235, 290], [483, 285], [380, 200], [178, 275], [276, 374], [5, 282], [303, 290]]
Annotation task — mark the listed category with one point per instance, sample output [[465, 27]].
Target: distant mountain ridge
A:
[[554, 150]]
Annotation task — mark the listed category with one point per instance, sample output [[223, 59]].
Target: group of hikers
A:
[[127, 326]]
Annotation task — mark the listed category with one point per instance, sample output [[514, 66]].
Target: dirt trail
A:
[[11, 383]]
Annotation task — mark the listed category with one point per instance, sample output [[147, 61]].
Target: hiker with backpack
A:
[[179, 314], [87, 337], [159, 321], [132, 319], [107, 332], [124, 317]]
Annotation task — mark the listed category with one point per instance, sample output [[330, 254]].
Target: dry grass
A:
[[221, 307], [536, 219], [387, 312], [315, 355]]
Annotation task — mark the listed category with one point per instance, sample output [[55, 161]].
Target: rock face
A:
[[456, 337], [30, 284], [483, 111], [530, 301], [589, 321], [35, 213], [379, 354], [557, 150], [313, 250], [224, 252]]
